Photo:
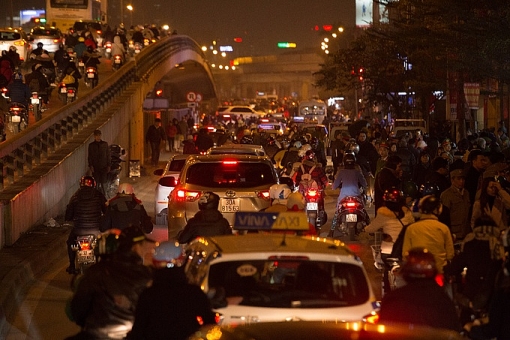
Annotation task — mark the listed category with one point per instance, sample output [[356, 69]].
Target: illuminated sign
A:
[[286, 45], [271, 221], [226, 49]]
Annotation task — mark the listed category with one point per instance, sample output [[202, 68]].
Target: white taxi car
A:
[[276, 277]]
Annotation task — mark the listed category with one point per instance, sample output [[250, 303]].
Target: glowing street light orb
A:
[[223, 54], [204, 48]]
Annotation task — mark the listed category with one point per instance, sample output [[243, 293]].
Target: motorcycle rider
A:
[[208, 221], [85, 209], [421, 301], [349, 179], [107, 294], [319, 150], [36, 52], [170, 308], [118, 48], [124, 210], [310, 166], [19, 92], [61, 58], [37, 82], [91, 57], [14, 56]]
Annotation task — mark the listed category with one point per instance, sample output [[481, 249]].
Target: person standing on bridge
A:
[[155, 134], [99, 160]]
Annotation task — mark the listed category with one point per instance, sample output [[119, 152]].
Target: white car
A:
[[18, 38], [277, 277], [169, 177], [226, 113]]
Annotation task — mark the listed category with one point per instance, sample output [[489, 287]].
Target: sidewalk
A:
[[37, 250]]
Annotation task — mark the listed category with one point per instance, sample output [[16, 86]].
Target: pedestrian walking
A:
[[99, 160], [155, 134]]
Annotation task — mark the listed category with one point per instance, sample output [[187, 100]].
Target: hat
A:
[[421, 145], [457, 173], [97, 132], [296, 201]]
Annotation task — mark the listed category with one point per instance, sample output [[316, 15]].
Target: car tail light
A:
[[19, 43], [229, 162], [182, 195], [217, 318], [264, 194], [371, 318], [56, 41]]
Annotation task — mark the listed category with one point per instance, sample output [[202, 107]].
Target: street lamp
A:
[[130, 9]]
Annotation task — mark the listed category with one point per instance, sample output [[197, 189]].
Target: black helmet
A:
[[419, 263], [314, 142], [349, 159], [352, 146], [392, 195], [208, 201], [410, 189], [40, 44], [429, 204], [429, 188], [88, 181]]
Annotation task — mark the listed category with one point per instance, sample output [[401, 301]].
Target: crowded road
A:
[[42, 314]]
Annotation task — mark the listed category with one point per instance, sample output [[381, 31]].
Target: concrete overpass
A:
[[41, 167]]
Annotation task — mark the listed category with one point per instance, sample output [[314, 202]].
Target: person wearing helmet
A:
[[125, 210], [387, 178], [278, 193], [37, 52], [106, 297], [61, 57], [99, 160], [170, 307], [349, 179], [309, 166], [421, 301], [84, 209], [271, 147], [430, 233], [80, 48], [208, 221], [19, 92], [14, 56], [290, 156], [439, 175], [37, 82], [204, 141], [91, 57]]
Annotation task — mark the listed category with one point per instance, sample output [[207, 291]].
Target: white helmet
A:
[[126, 188], [279, 192], [168, 254], [302, 151]]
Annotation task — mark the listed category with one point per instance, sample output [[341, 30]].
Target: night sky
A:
[[260, 23]]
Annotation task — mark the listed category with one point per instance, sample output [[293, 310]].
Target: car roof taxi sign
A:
[[295, 221]]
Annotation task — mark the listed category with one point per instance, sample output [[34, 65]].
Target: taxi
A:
[[276, 275]]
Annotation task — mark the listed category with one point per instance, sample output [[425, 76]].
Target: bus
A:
[[64, 13], [315, 110]]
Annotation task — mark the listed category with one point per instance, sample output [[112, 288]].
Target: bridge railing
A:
[[25, 151]]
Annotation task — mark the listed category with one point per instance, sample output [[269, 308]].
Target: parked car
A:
[[51, 37], [241, 181], [18, 38]]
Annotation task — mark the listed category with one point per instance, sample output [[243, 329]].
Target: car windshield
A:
[[230, 174], [291, 282], [176, 164], [10, 36]]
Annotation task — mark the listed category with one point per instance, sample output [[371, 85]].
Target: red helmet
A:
[[419, 264], [309, 155]]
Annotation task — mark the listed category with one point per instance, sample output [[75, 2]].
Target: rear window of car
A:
[[51, 32], [241, 109], [288, 283], [230, 174], [176, 165], [10, 36]]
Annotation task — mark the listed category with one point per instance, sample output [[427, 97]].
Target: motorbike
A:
[[17, 117], [81, 67], [67, 93], [317, 216], [117, 154], [84, 246], [35, 105], [91, 77], [350, 218], [146, 42], [117, 61], [72, 54], [108, 50]]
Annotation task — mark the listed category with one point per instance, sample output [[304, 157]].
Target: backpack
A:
[[307, 182], [69, 79], [34, 85]]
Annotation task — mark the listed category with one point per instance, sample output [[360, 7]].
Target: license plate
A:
[[312, 206], [85, 256], [34, 100], [90, 75], [351, 218], [16, 119], [117, 61], [108, 50], [81, 64], [230, 205], [63, 90], [70, 94]]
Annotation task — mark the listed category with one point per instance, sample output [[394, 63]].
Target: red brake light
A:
[[15, 108], [108, 44], [117, 57], [84, 246], [227, 162], [187, 196], [263, 194], [372, 318], [312, 193], [350, 204], [217, 318], [90, 69], [56, 41]]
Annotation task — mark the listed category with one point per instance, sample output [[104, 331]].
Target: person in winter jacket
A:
[[493, 201], [19, 92], [99, 160], [456, 200], [155, 134], [84, 209], [204, 141], [349, 178], [125, 210], [118, 48], [171, 307], [387, 178], [188, 146], [207, 222], [106, 296], [171, 132]]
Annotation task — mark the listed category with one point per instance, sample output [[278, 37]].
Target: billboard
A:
[[369, 11]]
